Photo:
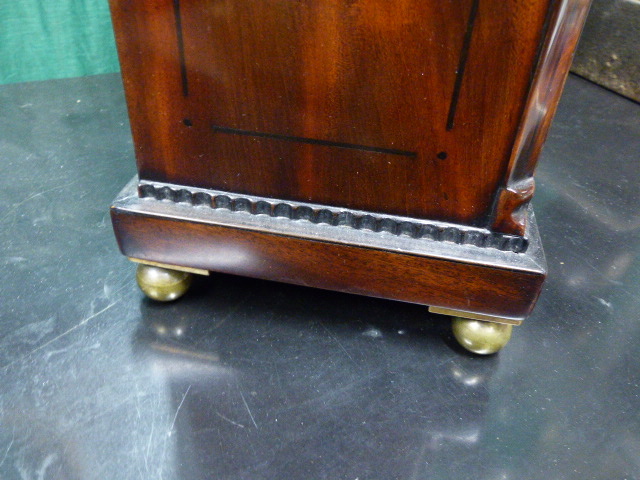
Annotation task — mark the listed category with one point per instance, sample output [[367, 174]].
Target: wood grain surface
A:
[[408, 107]]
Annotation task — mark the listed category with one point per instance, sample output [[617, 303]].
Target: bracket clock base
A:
[[489, 282]]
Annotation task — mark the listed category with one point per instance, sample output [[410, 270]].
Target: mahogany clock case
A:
[[381, 148]]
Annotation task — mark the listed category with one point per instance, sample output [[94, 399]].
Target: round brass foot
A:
[[162, 284], [479, 337]]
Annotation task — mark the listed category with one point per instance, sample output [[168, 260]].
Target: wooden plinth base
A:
[[434, 264]]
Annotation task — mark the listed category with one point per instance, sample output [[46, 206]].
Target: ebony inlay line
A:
[[313, 141], [183, 64], [462, 63]]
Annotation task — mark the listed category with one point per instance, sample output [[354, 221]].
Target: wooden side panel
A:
[[409, 107], [562, 38]]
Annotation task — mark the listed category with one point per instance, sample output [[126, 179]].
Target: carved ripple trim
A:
[[344, 218]]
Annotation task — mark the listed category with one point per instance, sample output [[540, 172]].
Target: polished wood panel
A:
[[408, 107]]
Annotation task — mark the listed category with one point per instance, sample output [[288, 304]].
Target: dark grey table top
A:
[[246, 379]]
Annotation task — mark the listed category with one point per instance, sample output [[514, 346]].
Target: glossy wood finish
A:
[[408, 107]]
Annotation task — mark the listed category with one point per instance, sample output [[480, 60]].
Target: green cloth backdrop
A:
[[42, 39]]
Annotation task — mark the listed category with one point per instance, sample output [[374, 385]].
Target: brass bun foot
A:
[[483, 338], [162, 284]]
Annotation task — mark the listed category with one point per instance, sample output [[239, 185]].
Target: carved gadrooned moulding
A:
[[335, 217]]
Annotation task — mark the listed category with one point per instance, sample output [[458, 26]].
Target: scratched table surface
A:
[[247, 379]]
